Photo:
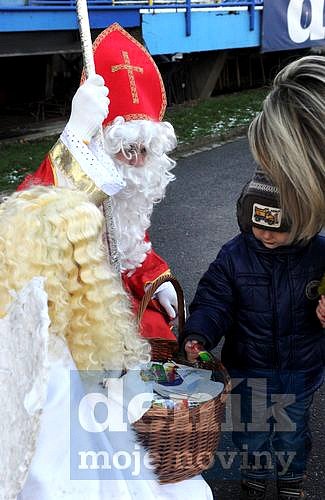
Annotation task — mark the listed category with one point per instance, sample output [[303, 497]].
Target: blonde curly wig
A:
[[57, 233], [287, 140]]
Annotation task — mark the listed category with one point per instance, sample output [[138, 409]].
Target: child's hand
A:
[[320, 310], [192, 349]]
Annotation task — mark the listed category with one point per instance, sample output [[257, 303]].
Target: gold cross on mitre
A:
[[130, 69]]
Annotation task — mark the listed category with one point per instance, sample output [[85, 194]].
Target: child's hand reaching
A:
[[192, 350], [320, 311]]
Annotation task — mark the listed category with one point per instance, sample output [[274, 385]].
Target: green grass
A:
[[216, 117], [20, 158], [195, 123]]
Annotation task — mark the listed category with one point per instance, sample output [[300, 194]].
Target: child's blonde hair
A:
[[57, 233], [287, 140]]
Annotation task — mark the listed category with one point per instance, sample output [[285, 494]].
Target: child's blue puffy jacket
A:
[[264, 302]]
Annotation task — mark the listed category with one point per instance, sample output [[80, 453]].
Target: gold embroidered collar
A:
[[62, 159]]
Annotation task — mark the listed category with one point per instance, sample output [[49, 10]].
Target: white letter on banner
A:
[[315, 30], [297, 33]]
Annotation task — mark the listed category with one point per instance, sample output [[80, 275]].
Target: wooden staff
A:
[[89, 67]]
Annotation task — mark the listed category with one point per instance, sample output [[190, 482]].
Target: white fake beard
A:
[[133, 205]]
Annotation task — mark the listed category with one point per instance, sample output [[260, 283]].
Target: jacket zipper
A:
[[276, 356]]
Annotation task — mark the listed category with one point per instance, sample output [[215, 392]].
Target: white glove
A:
[[89, 108], [167, 298]]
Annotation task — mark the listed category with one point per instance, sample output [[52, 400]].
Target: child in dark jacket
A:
[[260, 294]]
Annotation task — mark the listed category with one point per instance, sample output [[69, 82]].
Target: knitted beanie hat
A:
[[259, 206]]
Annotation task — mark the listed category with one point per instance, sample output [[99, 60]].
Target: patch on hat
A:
[[266, 216]]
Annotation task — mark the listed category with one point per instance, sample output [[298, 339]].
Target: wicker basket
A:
[[162, 349], [182, 442]]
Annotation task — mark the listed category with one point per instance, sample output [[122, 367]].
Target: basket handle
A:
[[152, 289]]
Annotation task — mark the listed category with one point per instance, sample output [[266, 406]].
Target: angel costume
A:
[[42, 457]]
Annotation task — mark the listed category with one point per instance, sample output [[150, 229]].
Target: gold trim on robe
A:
[[62, 159]]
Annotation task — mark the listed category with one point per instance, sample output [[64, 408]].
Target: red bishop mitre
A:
[[136, 89]]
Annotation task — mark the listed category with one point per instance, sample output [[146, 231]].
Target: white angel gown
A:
[[49, 473]]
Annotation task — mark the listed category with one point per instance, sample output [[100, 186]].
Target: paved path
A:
[[188, 229]]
